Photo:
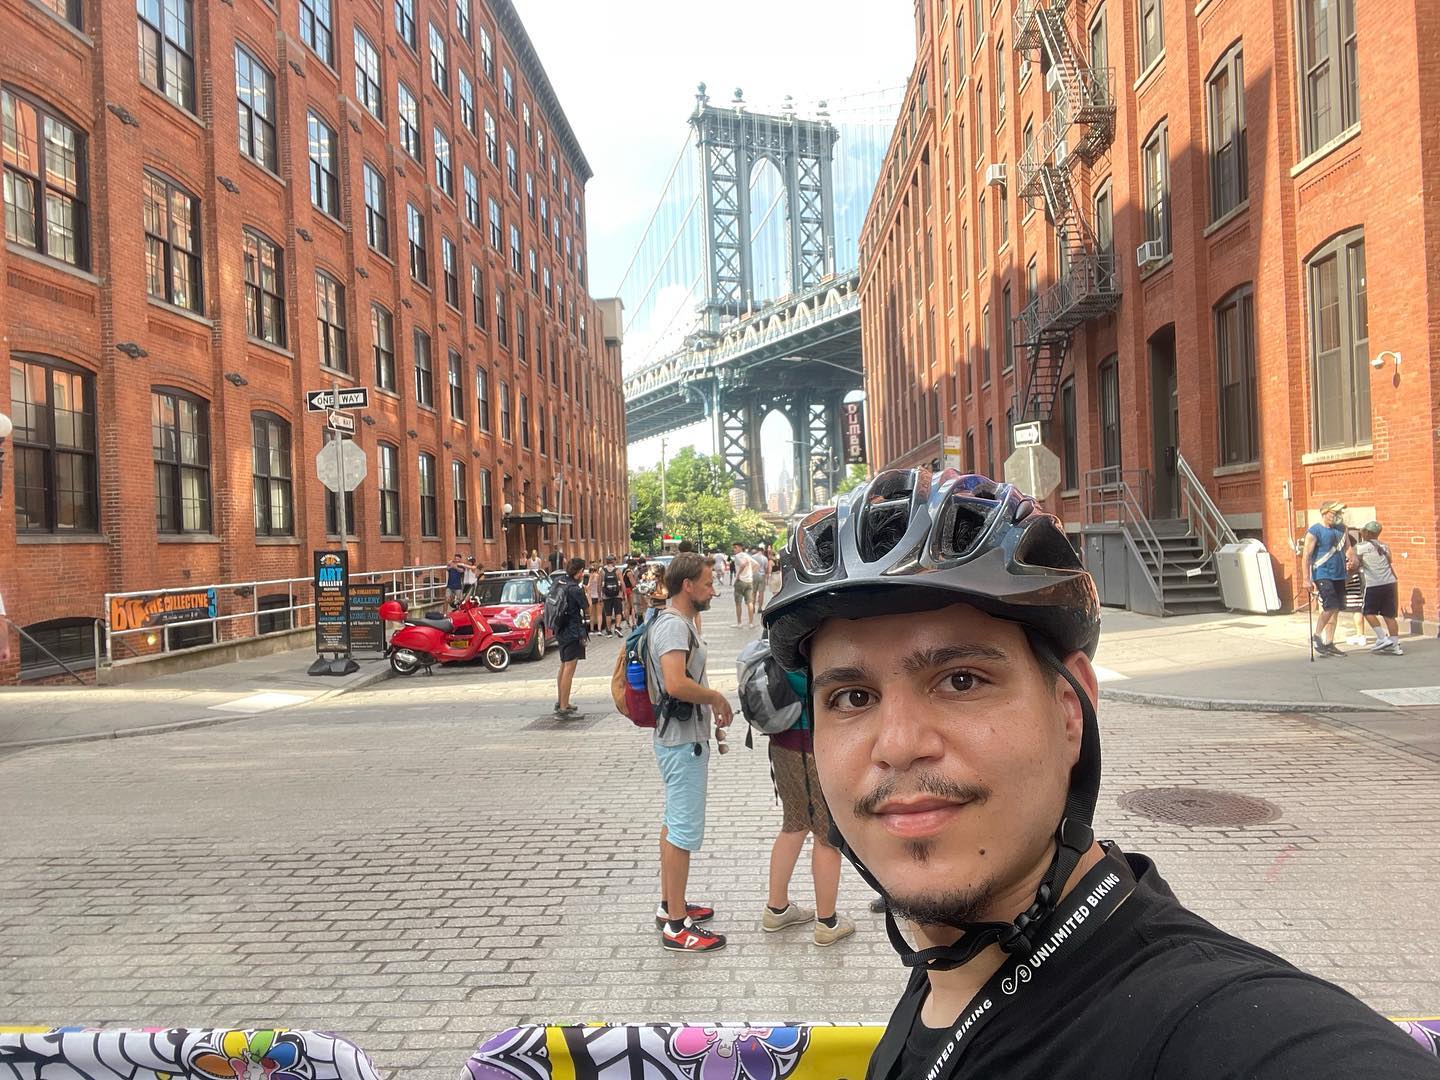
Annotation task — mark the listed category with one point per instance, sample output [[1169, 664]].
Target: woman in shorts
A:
[[1381, 589]]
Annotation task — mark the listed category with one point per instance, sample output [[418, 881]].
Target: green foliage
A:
[[854, 478], [697, 506]]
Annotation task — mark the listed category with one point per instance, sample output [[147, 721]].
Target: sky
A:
[[625, 72]]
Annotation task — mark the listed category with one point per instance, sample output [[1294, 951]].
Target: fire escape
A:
[[1078, 131]]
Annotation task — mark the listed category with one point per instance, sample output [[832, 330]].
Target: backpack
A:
[[767, 699], [559, 605], [611, 583], [642, 706]]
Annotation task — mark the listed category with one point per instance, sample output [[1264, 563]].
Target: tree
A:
[[691, 473], [854, 478], [749, 528], [704, 520], [645, 518]]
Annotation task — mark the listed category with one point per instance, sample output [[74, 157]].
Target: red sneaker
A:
[[694, 912], [691, 939]]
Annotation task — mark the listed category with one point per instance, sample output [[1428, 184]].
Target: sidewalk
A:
[[37, 715], [1257, 662]]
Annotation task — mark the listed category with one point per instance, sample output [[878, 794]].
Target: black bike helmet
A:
[[910, 540]]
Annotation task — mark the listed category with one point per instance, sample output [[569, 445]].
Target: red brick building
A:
[[1267, 157], [257, 201]]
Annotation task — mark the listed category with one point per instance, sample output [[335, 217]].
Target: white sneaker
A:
[[1393, 649]]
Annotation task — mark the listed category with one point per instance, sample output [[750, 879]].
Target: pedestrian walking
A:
[[762, 576], [627, 580], [719, 561], [534, 563], [1324, 559], [455, 579], [565, 613], [686, 708], [592, 594], [471, 577], [1382, 601], [557, 558], [612, 596], [1033, 949], [744, 584]]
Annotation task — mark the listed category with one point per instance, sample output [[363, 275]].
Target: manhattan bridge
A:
[[742, 298]]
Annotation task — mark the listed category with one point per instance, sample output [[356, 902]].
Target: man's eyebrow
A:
[[917, 661], [837, 675], [940, 655]]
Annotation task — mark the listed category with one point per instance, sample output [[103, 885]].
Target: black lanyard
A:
[[1083, 911]]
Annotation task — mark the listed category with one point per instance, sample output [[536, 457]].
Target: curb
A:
[[1178, 701], [369, 679]]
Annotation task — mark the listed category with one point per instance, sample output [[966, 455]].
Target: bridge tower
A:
[[732, 142]]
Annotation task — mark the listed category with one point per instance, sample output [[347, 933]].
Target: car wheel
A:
[[537, 646], [497, 657], [404, 662]]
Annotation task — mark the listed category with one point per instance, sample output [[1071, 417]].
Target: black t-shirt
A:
[[1160, 994]]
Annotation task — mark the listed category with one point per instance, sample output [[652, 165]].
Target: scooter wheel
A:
[[497, 657], [404, 662]]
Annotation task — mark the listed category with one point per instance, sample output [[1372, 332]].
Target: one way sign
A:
[[351, 397]]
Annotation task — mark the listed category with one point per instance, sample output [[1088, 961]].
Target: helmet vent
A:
[[883, 527], [816, 547], [1046, 546]]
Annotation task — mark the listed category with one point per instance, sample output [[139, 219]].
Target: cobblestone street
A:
[[430, 860]]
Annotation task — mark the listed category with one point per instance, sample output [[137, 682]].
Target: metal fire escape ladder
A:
[[1078, 131]]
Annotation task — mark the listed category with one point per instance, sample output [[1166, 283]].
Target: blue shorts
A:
[[685, 774]]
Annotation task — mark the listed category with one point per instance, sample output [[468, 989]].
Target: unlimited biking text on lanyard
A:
[[1082, 912]]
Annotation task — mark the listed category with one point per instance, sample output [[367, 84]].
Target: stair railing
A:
[[1110, 500], [1205, 519]]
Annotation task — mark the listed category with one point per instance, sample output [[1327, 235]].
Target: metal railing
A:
[[241, 600], [1206, 520], [1110, 499]]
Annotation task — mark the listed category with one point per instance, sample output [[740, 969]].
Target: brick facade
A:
[[927, 282], [89, 74]]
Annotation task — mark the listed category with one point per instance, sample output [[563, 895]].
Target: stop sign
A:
[[341, 465], [1035, 470]]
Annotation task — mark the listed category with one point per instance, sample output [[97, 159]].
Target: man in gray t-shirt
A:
[[684, 708]]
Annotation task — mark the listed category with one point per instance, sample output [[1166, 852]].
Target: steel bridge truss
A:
[[732, 141]]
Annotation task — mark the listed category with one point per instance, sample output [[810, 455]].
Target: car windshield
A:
[[507, 591]]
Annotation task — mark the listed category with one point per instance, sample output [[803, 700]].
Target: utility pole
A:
[[664, 507]]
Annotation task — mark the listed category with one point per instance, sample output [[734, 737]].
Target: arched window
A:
[[180, 438], [45, 179], [43, 644], [274, 499], [56, 477]]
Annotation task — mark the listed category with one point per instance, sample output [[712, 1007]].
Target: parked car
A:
[[513, 602]]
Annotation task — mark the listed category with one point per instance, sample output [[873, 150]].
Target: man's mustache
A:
[[925, 783]]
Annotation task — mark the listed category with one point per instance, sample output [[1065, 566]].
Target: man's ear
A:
[[1079, 666]]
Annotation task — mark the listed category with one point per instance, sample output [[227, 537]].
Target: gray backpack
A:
[[767, 699]]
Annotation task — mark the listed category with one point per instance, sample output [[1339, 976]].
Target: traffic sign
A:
[[339, 421], [341, 465], [1035, 470], [1027, 434], [351, 397]]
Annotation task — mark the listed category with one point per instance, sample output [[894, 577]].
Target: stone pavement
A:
[[31, 715], [429, 860]]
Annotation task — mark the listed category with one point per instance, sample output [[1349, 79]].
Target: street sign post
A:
[[348, 397], [341, 465], [1035, 470]]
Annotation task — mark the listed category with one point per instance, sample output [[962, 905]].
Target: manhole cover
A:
[[1199, 806], [550, 723]]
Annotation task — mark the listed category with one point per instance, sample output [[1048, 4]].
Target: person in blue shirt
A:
[[1326, 549]]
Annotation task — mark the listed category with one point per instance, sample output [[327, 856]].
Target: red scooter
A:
[[438, 639]]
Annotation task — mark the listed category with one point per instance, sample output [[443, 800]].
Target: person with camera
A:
[[682, 747]]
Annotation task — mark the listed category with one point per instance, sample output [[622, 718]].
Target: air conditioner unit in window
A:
[[995, 175], [1152, 251], [1052, 79]]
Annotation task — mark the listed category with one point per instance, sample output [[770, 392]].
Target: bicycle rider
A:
[[946, 627]]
